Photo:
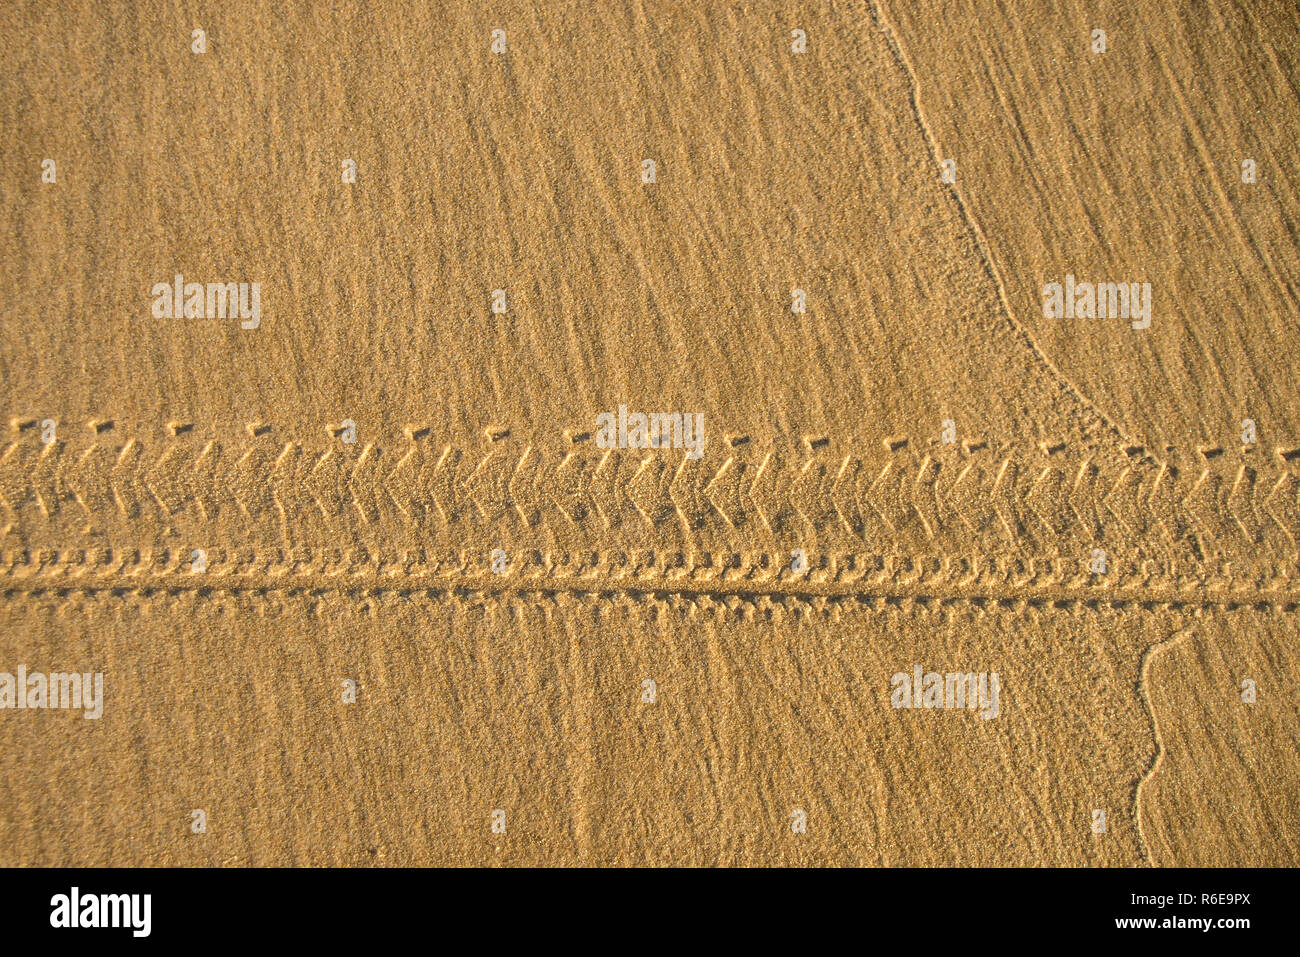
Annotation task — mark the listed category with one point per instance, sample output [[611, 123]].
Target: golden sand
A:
[[570, 654]]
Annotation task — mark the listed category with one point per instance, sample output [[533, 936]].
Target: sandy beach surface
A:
[[326, 340]]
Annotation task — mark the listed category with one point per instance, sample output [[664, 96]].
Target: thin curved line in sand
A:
[[981, 241], [1144, 691]]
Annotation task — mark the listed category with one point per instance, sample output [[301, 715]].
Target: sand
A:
[[397, 477]]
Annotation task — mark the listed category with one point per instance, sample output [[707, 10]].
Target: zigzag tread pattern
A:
[[729, 581], [939, 500]]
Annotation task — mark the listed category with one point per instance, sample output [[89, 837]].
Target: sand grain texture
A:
[[521, 688]]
